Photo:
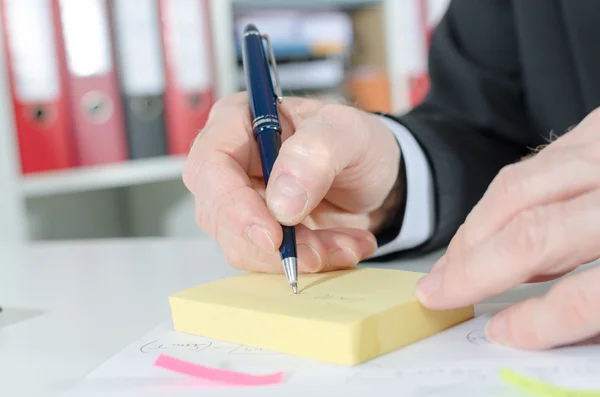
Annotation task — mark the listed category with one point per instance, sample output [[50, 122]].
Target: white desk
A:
[[70, 306]]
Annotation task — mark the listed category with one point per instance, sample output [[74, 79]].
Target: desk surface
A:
[[69, 306]]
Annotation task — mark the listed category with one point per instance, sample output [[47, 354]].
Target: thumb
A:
[[323, 145]]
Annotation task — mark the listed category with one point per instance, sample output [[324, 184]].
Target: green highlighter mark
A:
[[537, 387]]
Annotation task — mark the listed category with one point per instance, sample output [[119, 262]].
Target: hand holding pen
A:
[[333, 180]]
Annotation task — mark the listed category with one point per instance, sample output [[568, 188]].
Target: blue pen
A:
[[263, 97]]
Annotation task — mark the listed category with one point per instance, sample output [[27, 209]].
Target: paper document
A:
[[456, 362]]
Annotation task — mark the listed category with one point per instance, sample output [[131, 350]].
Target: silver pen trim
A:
[[290, 267]]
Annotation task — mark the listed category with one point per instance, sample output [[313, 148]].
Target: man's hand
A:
[[334, 173], [539, 220]]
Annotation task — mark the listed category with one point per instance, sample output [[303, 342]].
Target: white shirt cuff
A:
[[419, 214]]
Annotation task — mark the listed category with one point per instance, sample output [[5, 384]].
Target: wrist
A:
[[386, 221]]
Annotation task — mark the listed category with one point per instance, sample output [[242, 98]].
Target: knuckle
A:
[[333, 110], [303, 147], [299, 109], [303, 107], [525, 236], [470, 232], [508, 183], [225, 104], [341, 116]]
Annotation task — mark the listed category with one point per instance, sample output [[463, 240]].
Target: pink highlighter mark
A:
[[218, 376]]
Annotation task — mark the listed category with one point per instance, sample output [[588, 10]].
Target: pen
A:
[[263, 97]]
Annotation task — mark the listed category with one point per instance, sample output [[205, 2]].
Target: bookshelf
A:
[[12, 207], [24, 197], [123, 199], [129, 173]]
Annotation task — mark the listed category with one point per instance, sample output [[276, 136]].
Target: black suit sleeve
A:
[[473, 121]]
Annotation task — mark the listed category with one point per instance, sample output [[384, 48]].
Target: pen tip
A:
[[295, 288]]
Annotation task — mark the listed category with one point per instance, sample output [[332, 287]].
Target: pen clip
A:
[[278, 91]]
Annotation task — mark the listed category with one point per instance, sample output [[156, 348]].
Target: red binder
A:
[[419, 83], [37, 76], [189, 72], [95, 102]]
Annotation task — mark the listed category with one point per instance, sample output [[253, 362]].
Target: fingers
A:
[[548, 239], [548, 177], [226, 204], [318, 251], [333, 249], [569, 313], [217, 173]]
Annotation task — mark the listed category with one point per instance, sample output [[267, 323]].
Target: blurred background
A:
[[101, 99]]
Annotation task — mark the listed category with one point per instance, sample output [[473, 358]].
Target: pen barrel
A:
[[265, 117], [288, 250], [263, 101], [269, 143]]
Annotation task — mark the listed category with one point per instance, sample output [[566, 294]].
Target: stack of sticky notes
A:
[[344, 317]]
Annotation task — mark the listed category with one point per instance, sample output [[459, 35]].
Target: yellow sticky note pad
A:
[[344, 317]]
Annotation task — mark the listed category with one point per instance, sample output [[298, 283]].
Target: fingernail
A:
[[288, 198], [496, 329], [308, 258], [260, 237], [429, 284], [342, 257]]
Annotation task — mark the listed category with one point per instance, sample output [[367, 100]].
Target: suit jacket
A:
[[505, 75]]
